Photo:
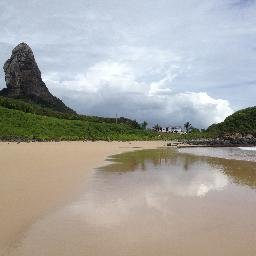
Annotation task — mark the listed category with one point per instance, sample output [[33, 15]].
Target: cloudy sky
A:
[[163, 61]]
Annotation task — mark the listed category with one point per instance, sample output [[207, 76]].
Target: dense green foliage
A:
[[18, 125], [242, 121], [39, 110], [20, 120], [32, 108], [53, 103]]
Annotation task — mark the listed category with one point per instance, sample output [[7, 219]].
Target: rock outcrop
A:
[[23, 80], [234, 140]]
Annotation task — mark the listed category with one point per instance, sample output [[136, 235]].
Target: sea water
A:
[[234, 153]]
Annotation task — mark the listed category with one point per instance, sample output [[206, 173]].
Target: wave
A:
[[232, 153], [248, 148]]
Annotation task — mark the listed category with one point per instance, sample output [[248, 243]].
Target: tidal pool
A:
[[154, 202]]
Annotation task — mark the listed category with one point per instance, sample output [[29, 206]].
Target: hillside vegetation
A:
[[30, 107], [242, 121], [18, 125], [21, 120]]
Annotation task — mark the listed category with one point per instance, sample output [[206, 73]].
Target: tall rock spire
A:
[[23, 80]]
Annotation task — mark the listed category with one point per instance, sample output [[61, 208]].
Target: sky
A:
[[163, 61]]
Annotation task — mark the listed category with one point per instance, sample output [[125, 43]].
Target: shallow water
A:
[[235, 153], [154, 202]]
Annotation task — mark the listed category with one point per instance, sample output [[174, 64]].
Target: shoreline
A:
[[38, 177], [213, 146], [214, 143]]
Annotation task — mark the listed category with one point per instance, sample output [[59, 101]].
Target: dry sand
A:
[[37, 177]]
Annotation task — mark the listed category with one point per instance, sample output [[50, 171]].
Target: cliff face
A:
[[23, 80]]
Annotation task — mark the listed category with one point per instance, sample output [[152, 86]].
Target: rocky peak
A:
[[23, 80], [22, 49]]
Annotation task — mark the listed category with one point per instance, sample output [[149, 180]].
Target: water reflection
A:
[[168, 172], [238, 171]]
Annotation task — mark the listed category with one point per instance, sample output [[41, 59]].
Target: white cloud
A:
[[112, 87]]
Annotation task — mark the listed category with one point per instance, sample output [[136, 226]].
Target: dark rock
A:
[[23, 80], [233, 140]]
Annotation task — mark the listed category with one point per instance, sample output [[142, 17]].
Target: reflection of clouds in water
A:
[[133, 192], [200, 183]]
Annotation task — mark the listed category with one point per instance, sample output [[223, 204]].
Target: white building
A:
[[176, 129], [171, 129]]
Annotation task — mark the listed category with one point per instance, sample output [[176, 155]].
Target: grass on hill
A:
[[29, 107], [21, 120], [18, 125], [242, 121]]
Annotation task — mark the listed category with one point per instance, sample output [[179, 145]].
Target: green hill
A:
[[21, 120], [31, 107], [18, 125], [242, 121]]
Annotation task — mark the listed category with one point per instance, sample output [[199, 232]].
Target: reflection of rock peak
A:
[[23, 79]]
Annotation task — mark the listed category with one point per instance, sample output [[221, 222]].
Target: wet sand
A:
[[150, 202], [37, 178]]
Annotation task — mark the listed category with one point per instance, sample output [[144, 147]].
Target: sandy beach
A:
[[38, 177]]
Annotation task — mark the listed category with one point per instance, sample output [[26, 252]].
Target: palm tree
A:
[[188, 126], [157, 127], [144, 125]]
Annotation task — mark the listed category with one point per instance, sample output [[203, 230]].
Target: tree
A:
[[194, 130], [144, 125], [157, 127], [187, 126]]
